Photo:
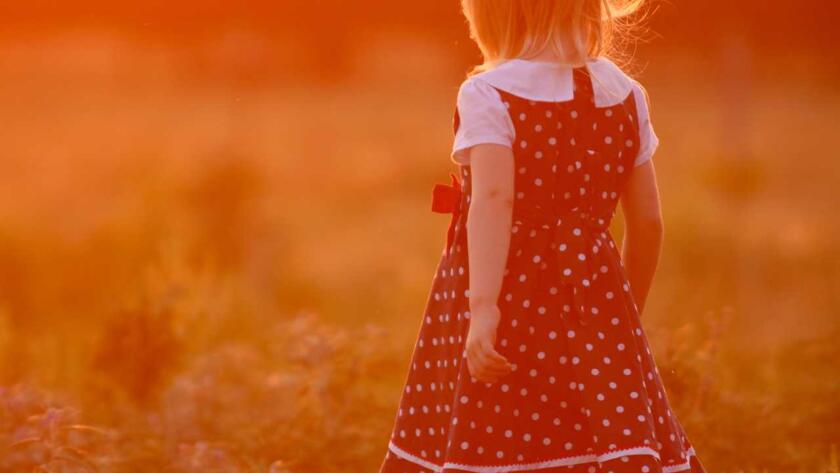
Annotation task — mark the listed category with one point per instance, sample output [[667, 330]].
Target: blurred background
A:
[[216, 239]]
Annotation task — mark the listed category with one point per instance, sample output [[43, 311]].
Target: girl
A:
[[531, 355]]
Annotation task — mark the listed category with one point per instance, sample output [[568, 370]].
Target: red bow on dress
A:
[[446, 199]]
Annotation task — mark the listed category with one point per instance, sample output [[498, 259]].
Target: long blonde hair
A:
[[576, 29]]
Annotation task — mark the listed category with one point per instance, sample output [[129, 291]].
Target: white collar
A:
[[552, 82]]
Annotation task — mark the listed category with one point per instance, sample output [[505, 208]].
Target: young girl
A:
[[531, 355]]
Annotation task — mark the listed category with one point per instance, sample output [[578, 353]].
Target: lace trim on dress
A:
[[563, 461]]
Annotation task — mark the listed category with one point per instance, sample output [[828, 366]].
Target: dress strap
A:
[[583, 90]]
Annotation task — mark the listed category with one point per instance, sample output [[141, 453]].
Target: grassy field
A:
[[207, 274]]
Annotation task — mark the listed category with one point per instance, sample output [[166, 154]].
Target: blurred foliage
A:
[[215, 258]]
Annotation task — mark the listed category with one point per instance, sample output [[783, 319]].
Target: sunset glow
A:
[[217, 239]]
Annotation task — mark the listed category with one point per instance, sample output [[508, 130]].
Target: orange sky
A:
[[683, 21]]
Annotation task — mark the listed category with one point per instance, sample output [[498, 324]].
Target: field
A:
[[202, 272]]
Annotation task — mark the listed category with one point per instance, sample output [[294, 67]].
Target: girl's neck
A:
[[550, 55], [554, 62]]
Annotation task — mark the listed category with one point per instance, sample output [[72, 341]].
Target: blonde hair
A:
[[575, 29]]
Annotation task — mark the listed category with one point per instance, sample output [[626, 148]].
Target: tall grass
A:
[[210, 276]]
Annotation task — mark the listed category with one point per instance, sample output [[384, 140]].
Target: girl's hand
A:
[[483, 361]]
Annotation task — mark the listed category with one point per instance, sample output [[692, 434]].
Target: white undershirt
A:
[[485, 119]]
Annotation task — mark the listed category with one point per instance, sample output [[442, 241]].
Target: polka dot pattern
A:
[[585, 394]]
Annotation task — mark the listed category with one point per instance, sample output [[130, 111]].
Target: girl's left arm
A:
[[489, 221], [488, 241]]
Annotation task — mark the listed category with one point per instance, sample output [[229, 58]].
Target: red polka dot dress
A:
[[585, 394]]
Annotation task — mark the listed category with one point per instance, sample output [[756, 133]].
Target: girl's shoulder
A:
[[482, 113], [549, 82]]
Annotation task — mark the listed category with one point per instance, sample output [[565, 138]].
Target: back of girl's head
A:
[[575, 29]]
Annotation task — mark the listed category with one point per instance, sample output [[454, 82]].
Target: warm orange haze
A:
[[217, 238]]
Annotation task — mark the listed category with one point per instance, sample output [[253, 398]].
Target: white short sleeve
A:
[[648, 141], [483, 118]]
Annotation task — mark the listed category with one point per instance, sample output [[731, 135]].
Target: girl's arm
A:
[[643, 230], [489, 221], [488, 239]]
